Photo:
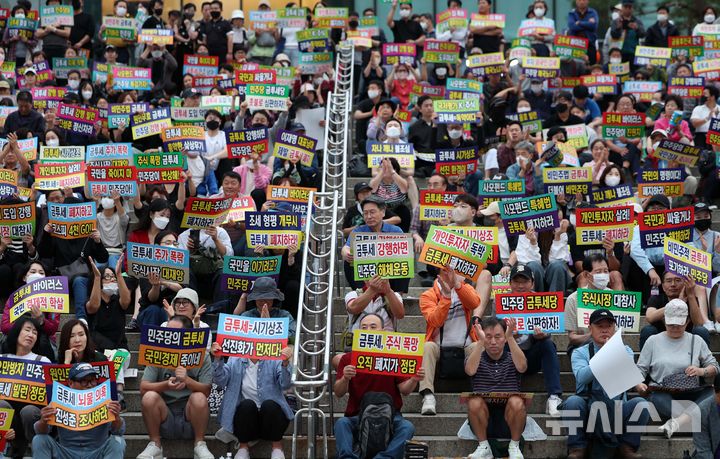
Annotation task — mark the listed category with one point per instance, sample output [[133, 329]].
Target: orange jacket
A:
[[435, 307]]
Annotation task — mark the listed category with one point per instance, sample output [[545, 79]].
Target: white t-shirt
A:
[[491, 161], [455, 330], [202, 325], [197, 168], [375, 306], [702, 112], [249, 383]]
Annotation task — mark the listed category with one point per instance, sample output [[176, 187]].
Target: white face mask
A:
[[536, 89], [373, 93], [121, 10], [52, 142], [455, 133], [156, 54], [523, 109], [393, 132], [405, 13], [539, 12], [612, 180], [572, 219], [615, 15], [441, 71], [601, 280], [662, 17], [161, 222], [33, 277], [709, 18], [22, 15], [521, 161], [87, 95], [424, 25], [460, 214], [110, 289], [655, 146], [107, 203], [74, 84], [615, 60]]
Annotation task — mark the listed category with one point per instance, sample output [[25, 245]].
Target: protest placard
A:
[[119, 114], [58, 176], [402, 152], [116, 27], [263, 19], [245, 143], [567, 180], [441, 52], [658, 225], [434, 92], [570, 47], [488, 235], [314, 63], [686, 86], [487, 20], [63, 65], [8, 183], [72, 221], [162, 37], [398, 53], [456, 111], [437, 205], [642, 90], [292, 18], [520, 48], [669, 182], [47, 97], [538, 212], [21, 27], [628, 125], [150, 123], [335, 18], [464, 255], [62, 154], [60, 374], [170, 263], [490, 191], [166, 347], [486, 64], [104, 180], [17, 220], [223, 104], [109, 154], [197, 65], [184, 139], [500, 285], [160, 167], [359, 38], [688, 46], [56, 15], [600, 84], [239, 273], [463, 88], [593, 225], [22, 381], [273, 230], [387, 353], [76, 119], [78, 409], [680, 153], [297, 197], [203, 213], [652, 55], [451, 19], [545, 311], [252, 337], [267, 96], [612, 196], [294, 147], [707, 68], [240, 205], [387, 255], [452, 162], [541, 67], [313, 40], [625, 306], [132, 78], [50, 294], [6, 417], [686, 261], [188, 115], [369, 24], [530, 121]]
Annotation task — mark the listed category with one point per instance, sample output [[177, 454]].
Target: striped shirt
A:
[[496, 375]]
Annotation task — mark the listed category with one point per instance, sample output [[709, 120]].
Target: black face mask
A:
[[561, 108], [158, 11], [703, 99], [189, 15], [353, 24], [704, 224], [258, 126], [212, 124], [215, 14]]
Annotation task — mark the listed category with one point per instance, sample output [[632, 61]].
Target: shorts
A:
[[497, 427], [175, 426]]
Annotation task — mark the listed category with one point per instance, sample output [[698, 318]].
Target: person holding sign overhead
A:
[[175, 403], [103, 441], [589, 390]]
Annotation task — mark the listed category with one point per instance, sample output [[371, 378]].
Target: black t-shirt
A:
[[488, 43], [361, 126], [216, 35], [153, 23], [406, 30], [554, 120], [84, 25], [109, 323]]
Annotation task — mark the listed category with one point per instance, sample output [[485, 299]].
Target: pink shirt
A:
[[664, 124]]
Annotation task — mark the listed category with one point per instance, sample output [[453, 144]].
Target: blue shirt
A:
[[386, 228], [592, 108], [581, 367], [582, 27]]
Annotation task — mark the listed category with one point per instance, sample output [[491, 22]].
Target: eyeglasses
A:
[[183, 303], [109, 277], [173, 244]]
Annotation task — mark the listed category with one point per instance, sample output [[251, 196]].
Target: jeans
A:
[[577, 436], [346, 430], [543, 355], [663, 401], [552, 278], [649, 330], [46, 447], [80, 296], [152, 315]]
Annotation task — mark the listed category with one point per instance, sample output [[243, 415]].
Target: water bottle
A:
[[654, 291]]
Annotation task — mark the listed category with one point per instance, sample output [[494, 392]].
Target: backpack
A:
[[375, 427]]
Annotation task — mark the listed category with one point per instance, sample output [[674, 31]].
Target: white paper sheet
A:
[[613, 367], [310, 118]]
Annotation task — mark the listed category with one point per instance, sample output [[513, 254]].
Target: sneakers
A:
[[277, 453], [483, 451], [132, 326], [428, 406], [710, 326], [669, 427], [514, 450], [151, 451], [202, 452], [551, 407], [242, 453]]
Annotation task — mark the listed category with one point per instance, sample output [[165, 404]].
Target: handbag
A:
[[77, 268], [206, 261], [452, 360], [680, 382]]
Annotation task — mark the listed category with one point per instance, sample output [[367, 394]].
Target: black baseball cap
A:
[[659, 199], [521, 270], [601, 314], [362, 186], [700, 206]]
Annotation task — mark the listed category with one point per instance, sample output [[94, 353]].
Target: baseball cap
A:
[[295, 126], [659, 199], [4, 84], [661, 132], [307, 87], [110, 47], [30, 70], [264, 3], [82, 370], [676, 312], [190, 92], [699, 206], [521, 270], [238, 14], [282, 56], [601, 314], [362, 186], [492, 209]]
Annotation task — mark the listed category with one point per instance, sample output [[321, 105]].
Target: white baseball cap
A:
[[676, 312]]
